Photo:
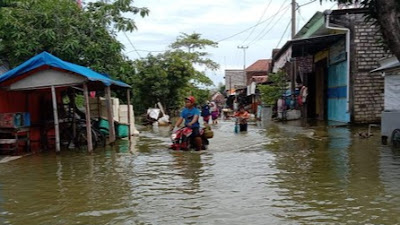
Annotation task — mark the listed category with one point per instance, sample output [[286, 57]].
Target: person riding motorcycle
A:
[[190, 115]]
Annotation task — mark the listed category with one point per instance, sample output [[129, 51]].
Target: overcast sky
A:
[[228, 22]]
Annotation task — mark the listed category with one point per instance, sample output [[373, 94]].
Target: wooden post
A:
[[73, 104], [55, 116], [110, 115], [128, 99], [88, 124]]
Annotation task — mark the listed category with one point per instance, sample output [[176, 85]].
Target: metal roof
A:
[[387, 64], [309, 46], [47, 59]]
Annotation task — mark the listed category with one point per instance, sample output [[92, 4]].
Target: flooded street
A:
[[273, 174]]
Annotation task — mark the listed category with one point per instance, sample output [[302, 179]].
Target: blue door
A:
[[337, 92]]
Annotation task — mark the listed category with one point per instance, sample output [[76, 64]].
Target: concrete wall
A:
[[234, 78]]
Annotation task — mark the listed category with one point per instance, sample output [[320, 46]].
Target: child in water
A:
[[242, 115]]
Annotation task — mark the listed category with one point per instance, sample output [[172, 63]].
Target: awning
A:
[[46, 59], [310, 46], [387, 64]]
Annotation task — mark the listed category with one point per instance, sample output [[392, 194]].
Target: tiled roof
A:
[[260, 65]]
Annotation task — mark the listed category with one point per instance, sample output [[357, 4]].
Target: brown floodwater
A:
[[274, 174]]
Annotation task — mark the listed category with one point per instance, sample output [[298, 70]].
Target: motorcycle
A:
[[181, 139]]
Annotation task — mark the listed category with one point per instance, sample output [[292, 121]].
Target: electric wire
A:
[[298, 6], [280, 10], [262, 16], [252, 28], [263, 33], [257, 24], [143, 50], [129, 40], [287, 26]]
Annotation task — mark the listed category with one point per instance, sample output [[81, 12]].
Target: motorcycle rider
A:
[[190, 114]]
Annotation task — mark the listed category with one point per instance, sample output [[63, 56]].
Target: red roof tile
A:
[[260, 65]]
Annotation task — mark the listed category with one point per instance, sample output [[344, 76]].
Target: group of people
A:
[[190, 116], [210, 109]]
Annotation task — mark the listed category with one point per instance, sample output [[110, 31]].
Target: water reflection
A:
[[189, 166], [292, 173]]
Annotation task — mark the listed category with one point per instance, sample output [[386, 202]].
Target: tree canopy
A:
[[83, 36], [170, 76]]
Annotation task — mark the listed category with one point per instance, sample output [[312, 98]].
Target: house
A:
[[234, 79], [258, 71], [332, 55]]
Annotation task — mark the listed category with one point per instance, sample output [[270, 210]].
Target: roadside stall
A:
[[31, 96]]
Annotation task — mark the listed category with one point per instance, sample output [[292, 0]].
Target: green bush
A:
[[270, 93]]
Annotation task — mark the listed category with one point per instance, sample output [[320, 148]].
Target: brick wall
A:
[[368, 88]]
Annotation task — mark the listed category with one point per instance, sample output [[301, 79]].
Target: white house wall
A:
[[392, 92], [47, 78], [281, 61]]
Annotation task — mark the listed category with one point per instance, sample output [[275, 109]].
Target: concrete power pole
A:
[[244, 62], [293, 75], [293, 18]]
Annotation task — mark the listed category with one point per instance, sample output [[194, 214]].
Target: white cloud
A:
[[217, 20]]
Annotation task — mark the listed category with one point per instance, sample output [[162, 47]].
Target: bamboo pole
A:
[[55, 116], [88, 124], [128, 99], [110, 115]]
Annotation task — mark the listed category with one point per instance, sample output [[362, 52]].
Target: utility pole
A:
[[244, 62], [294, 4], [293, 77]]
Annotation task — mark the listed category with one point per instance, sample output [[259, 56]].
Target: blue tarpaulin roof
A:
[[48, 59]]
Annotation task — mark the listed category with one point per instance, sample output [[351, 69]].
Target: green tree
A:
[[193, 43], [387, 14], [170, 76], [270, 93], [83, 36], [161, 78], [222, 88]]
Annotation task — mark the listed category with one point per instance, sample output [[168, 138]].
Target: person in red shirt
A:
[[242, 116]]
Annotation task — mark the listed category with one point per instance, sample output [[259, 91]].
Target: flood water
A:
[[273, 174]]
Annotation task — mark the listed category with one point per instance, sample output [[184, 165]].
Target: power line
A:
[[233, 35], [287, 26], [142, 50], [272, 19], [265, 10], [262, 33], [298, 6], [129, 40]]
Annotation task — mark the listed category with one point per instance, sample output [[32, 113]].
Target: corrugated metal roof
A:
[[387, 64], [47, 59]]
